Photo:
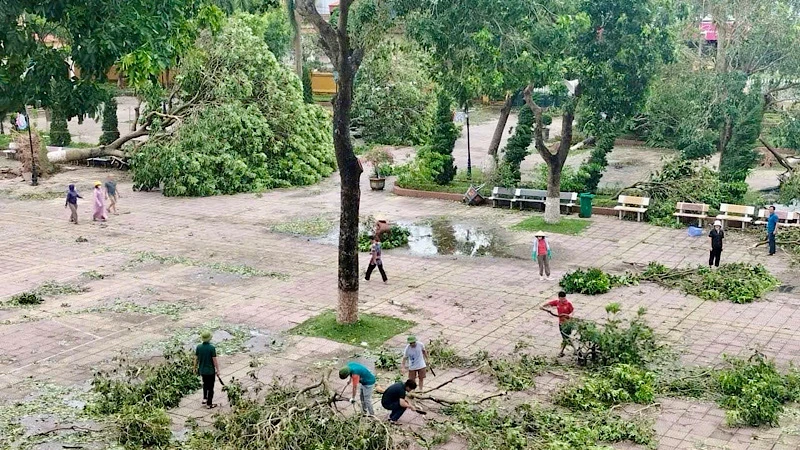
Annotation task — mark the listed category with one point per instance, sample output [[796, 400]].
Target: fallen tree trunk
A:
[[501, 125], [781, 160], [78, 154]]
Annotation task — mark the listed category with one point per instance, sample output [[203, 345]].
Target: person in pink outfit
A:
[[99, 203]]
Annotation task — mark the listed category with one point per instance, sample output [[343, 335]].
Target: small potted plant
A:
[[380, 158]]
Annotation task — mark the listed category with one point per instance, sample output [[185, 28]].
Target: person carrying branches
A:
[[564, 311]]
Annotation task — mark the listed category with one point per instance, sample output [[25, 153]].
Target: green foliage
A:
[[236, 269], [445, 134], [392, 98], [305, 423], [308, 91], [381, 159], [387, 359], [274, 27], [26, 298], [786, 133], [528, 426], [517, 372], [564, 226], [142, 426], [735, 282], [396, 237], [591, 171], [257, 135], [370, 328], [571, 179], [594, 281], [790, 189], [517, 149], [59, 132], [745, 114], [315, 226], [613, 342], [754, 392], [149, 387], [416, 175], [614, 385], [110, 122], [681, 180], [442, 355]]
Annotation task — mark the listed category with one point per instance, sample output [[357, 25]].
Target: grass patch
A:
[[315, 226], [4, 140], [564, 226], [459, 185], [323, 98], [235, 269], [370, 328]]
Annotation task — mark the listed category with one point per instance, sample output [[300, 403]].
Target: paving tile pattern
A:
[[477, 303]]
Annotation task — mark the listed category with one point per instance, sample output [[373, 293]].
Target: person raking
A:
[[716, 235], [565, 323], [360, 375], [205, 360]]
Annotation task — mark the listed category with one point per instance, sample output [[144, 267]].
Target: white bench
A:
[[630, 203], [501, 194], [783, 218], [522, 196], [697, 211], [10, 153], [736, 213]]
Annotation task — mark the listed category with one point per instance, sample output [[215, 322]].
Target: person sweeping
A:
[[564, 310]]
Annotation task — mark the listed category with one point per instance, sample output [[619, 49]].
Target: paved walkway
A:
[[478, 303]]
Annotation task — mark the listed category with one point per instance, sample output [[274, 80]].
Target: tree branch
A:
[[538, 134], [328, 35], [781, 160]]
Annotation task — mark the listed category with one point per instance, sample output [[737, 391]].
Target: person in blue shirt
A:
[[772, 227], [360, 375]]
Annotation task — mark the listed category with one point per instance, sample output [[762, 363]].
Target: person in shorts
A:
[[111, 194], [414, 360], [564, 311]]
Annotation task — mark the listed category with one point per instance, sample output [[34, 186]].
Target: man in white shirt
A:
[[414, 357]]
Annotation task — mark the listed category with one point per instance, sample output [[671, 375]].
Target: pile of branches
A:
[[735, 282], [292, 418]]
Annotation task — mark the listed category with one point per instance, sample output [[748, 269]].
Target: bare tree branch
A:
[[328, 35]]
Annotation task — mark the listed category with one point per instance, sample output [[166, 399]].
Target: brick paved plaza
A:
[[477, 303]]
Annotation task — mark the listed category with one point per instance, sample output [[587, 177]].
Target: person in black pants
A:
[[375, 259], [208, 368], [716, 235], [394, 399]]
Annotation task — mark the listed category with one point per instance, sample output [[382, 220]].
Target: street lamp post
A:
[[469, 154]]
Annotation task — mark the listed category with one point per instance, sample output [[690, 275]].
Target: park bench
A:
[[534, 196], [501, 195], [10, 153], [697, 211], [630, 203], [783, 218], [98, 162], [736, 213]]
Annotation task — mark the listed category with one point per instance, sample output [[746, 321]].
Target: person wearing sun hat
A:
[[99, 203], [414, 360], [542, 254], [205, 361], [716, 235]]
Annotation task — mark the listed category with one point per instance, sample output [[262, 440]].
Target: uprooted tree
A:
[[354, 29]]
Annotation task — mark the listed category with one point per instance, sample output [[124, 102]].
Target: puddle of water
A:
[[442, 237]]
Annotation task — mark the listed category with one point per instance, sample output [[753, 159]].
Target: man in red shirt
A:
[[565, 323]]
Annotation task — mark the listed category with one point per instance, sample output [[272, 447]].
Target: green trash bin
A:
[[586, 205]]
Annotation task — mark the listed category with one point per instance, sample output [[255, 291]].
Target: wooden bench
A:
[[98, 162], [522, 196], [736, 213], [500, 195], [630, 203], [697, 211], [783, 218]]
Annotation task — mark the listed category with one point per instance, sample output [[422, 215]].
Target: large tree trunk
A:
[[554, 159], [79, 154], [350, 175], [298, 46], [501, 125], [346, 60]]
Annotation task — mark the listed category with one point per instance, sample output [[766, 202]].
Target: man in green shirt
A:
[[360, 375], [206, 365]]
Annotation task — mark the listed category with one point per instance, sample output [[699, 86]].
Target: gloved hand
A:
[[352, 401]]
